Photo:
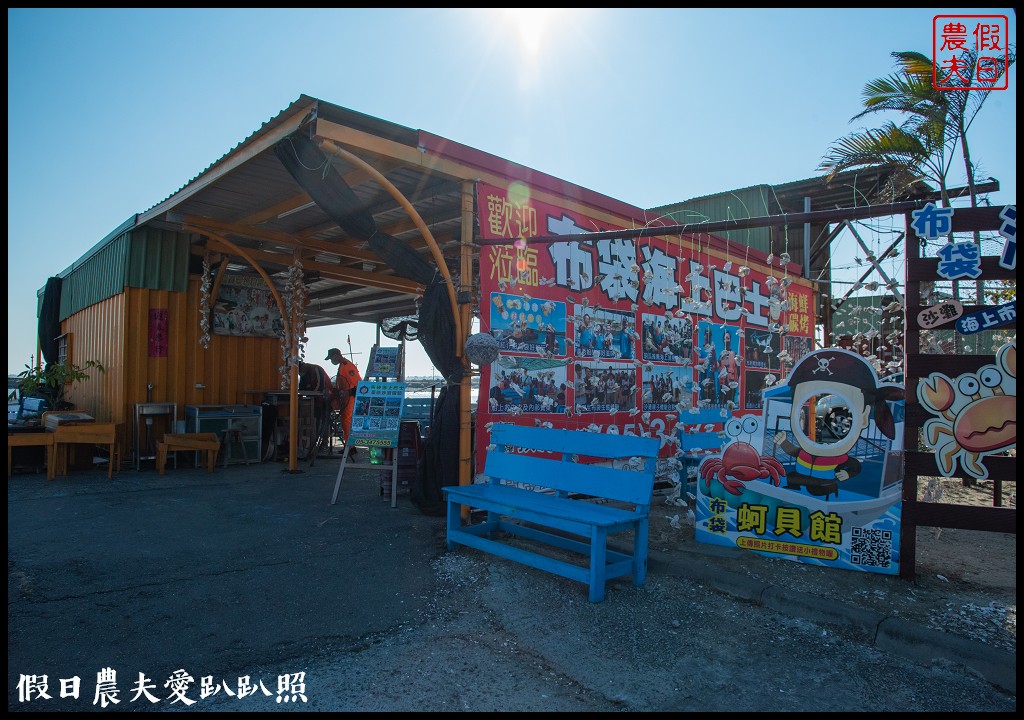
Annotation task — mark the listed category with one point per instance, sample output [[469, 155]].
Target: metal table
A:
[[239, 428], [143, 436]]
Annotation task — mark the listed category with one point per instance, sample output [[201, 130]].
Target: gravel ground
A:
[[501, 637], [251, 572]]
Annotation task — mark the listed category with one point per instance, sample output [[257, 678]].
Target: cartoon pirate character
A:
[[820, 467]]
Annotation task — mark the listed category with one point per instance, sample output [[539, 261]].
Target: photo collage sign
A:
[[637, 336]]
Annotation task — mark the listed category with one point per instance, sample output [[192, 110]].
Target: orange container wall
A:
[[97, 333], [116, 332], [225, 369]]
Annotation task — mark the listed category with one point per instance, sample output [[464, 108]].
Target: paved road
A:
[[250, 572]]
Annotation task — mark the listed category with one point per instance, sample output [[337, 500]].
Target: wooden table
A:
[[85, 434]]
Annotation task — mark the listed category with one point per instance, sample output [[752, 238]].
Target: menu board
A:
[[377, 417], [384, 363]]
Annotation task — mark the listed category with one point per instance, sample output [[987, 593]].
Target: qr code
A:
[[871, 547]]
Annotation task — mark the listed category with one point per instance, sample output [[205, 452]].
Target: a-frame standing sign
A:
[[376, 420]]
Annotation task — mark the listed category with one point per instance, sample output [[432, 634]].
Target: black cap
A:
[[332, 352]]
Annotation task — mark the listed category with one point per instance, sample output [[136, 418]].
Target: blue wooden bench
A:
[[418, 409], [573, 499]]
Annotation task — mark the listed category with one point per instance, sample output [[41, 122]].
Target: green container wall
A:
[[749, 202], [99, 277], [158, 260], [141, 258], [757, 201]]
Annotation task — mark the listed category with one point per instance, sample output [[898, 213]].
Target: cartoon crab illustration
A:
[[977, 413], [739, 464]]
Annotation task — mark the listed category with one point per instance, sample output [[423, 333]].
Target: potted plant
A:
[[52, 383]]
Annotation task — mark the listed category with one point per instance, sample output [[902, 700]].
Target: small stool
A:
[[233, 437], [198, 442]]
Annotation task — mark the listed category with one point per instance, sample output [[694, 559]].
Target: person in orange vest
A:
[[345, 384]]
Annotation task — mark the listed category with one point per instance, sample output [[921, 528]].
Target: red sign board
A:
[[627, 335]]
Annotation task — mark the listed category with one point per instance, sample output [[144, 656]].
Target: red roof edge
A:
[[466, 155], [451, 150]]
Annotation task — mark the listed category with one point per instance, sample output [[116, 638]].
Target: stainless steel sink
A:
[[155, 408]]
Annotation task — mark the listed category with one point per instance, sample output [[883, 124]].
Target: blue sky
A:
[[111, 111]]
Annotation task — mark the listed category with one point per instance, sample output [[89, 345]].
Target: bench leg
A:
[[493, 519], [598, 562], [161, 457], [640, 553], [454, 521], [211, 460]]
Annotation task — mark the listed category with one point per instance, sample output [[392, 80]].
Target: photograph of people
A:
[[666, 387], [604, 387], [531, 326], [797, 347], [760, 348], [517, 390], [244, 306], [666, 339], [753, 385], [603, 334], [708, 384], [729, 369]]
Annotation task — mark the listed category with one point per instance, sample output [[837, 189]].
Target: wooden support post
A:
[[465, 309]]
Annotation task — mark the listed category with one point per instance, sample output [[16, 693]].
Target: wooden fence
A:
[[919, 460]]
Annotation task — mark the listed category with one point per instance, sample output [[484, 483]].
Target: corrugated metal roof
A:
[[142, 258], [247, 203], [318, 109], [853, 188], [269, 124]]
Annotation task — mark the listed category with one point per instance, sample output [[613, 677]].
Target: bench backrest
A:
[[507, 461], [417, 408]]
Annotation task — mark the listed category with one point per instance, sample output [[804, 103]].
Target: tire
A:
[[839, 423]]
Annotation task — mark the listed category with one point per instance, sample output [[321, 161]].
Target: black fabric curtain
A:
[[312, 170], [49, 320], [440, 464]]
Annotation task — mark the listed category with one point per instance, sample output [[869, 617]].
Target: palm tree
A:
[[934, 123], [917, 154]]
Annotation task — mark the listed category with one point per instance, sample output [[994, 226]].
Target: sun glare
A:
[[531, 25]]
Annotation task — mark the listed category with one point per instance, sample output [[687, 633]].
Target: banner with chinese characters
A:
[[649, 336], [158, 318]]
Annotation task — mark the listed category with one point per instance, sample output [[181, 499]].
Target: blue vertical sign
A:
[[1008, 257]]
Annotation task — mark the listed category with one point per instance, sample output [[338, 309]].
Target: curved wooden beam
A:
[[332, 148], [221, 271], [293, 440]]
